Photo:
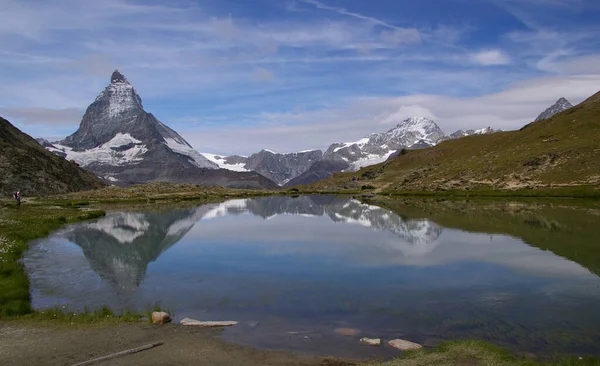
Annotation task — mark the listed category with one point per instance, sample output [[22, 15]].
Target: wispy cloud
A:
[[343, 11], [299, 74]]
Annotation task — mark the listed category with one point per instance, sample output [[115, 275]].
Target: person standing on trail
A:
[[17, 196]]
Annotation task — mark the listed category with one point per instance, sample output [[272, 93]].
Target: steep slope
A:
[[26, 166], [118, 140], [561, 150], [561, 105]]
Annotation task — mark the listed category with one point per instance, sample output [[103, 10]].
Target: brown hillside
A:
[[26, 166]]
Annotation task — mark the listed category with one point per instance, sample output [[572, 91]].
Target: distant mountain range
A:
[[122, 143], [306, 167]]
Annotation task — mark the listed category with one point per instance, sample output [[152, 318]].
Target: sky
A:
[[237, 76]]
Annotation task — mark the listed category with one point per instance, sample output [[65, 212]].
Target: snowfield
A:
[[220, 161], [105, 153]]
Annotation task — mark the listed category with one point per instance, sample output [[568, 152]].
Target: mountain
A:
[[310, 166], [121, 142], [28, 167], [319, 170], [376, 147], [561, 105], [280, 168], [559, 152]]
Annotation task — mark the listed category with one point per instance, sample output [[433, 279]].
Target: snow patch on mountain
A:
[[220, 161], [360, 142], [122, 149], [370, 159], [184, 149]]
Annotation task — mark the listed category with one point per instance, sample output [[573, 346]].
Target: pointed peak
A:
[[117, 77]]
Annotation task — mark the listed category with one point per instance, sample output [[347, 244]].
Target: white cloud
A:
[[509, 109], [490, 57]]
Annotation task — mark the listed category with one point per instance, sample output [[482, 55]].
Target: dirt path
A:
[[34, 345]]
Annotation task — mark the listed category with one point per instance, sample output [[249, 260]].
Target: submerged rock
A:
[[160, 317], [198, 323], [350, 332], [404, 345], [371, 341]]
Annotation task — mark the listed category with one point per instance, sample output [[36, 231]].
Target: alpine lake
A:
[[294, 270]]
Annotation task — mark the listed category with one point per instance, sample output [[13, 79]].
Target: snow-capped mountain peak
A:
[[421, 128]]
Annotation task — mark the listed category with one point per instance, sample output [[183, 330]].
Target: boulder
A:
[[198, 323], [371, 341], [160, 317], [404, 345], [350, 332]]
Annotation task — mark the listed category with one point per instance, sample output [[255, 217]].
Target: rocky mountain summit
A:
[[561, 105], [121, 142], [28, 167]]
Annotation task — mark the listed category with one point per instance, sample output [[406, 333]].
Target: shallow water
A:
[[302, 267]]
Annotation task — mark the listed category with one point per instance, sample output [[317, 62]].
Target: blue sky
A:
[[235, 76]]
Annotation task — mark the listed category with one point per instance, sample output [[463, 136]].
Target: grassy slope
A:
[[561, 151]]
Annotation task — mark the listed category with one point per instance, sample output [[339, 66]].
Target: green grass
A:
[[475, 353], [18, 226]]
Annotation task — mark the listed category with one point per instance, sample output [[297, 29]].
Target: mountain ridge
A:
[[410, 133]]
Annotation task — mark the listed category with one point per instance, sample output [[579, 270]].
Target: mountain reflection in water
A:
[[327, 261], [120, 246]]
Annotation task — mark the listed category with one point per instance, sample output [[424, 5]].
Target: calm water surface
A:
[[302, 267]]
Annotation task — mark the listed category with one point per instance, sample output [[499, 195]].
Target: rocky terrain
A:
[[561, 105], [28, 167]]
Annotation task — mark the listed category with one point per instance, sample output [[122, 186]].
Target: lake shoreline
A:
[[42, 216]]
